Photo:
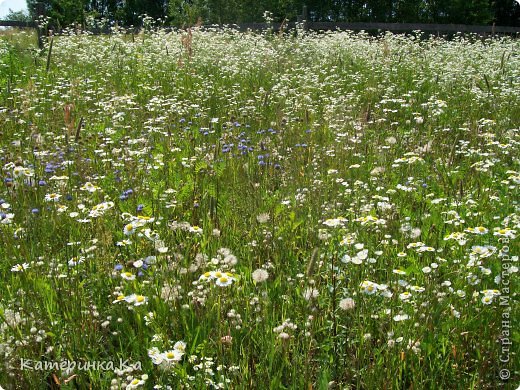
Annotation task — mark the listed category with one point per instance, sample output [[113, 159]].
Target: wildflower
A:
[[224, 280], [391, 140], [75, 261], [377, 171], [477, 230], [405, 296], [207, 276], [369, 287], [263, 218], [180, 346], [226, 340], [347, 304], [129, 229], [483, 251], [155, 355], [260, 275], [52, 197], [136, 300], [334, 222], [492, 293], [310, 293], [120, 298], [135, 382], [20, 267], [140, 300], [506, 232], [88, 186], [124, 243], [127, 275], [195, 229], [172, 356], [360, 256], [401, 317]]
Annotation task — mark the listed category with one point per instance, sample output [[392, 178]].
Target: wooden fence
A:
[[331, 26], [392, 27], [30, 24]]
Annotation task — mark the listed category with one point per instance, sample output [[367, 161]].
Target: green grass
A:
[[345, 166]]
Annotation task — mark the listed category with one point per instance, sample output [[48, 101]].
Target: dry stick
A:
[[312, 262], [49, 55], [78, 129]]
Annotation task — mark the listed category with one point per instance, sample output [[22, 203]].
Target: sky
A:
[[15, 5]]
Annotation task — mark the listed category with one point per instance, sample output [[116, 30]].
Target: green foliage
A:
[[190, 12], [17, 16]]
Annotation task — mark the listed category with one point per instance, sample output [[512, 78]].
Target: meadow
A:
[[213, 209]]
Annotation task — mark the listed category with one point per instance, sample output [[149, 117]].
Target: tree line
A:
[[189, 12]]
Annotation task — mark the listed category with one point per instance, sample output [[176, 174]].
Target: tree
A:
[[17, 16], [409, 11], [187, 13], [506, 12], [62, 13]]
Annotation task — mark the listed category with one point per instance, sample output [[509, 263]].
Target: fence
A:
[[330, 26], [30, 24], [392, 27]]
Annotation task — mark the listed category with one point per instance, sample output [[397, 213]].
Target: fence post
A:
[[305, 17]]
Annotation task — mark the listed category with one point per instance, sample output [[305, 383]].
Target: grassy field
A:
[[211, 209]]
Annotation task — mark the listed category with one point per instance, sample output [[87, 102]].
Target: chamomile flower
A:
[[224, 281], [505, 232], [369, 287], [20, 267], [129, 229], [137, 382], [405, 296], [155, 355], [127, 275], [477, 230], [207, 276], [195, 230], [180, 346], [172, 356], [52, 197], [120, 298], [136, 300], [89, 187], [140, 300]]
